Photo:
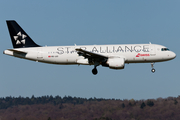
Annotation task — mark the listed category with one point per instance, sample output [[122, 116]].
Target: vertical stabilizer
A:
[[19, 37]]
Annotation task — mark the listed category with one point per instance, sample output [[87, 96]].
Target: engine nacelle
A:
[[116, 63]]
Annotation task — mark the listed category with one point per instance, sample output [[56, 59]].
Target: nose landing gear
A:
[[152, 70]]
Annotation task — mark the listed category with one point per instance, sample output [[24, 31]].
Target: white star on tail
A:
[[20, 38]]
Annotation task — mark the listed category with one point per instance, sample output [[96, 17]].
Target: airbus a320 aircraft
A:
[[112, 56]]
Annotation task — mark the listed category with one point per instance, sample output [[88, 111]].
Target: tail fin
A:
[[19, 37]]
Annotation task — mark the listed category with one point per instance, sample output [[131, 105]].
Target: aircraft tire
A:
[[94, 71], [153, 70]]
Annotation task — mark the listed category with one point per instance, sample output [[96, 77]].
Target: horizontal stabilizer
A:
[[17, 51]]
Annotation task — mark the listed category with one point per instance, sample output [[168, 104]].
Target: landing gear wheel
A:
[[153, 70], [94, 71]]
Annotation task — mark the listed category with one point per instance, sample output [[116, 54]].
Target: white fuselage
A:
[[132, 53], [112, 56]]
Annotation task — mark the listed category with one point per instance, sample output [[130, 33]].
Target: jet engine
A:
[[114, 63]]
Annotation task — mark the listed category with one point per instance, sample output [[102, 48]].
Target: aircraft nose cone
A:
[[173, 55]]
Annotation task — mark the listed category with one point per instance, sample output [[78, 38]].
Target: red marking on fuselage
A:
[[139, 55]]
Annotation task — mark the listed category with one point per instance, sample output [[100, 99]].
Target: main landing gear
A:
[[152, 70], [94, 71]]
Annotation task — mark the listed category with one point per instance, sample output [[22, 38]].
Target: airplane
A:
[[112, 56]]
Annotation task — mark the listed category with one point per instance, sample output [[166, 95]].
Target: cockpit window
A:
[[164, 49]]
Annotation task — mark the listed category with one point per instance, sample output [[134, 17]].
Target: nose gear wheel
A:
[[152, 70]]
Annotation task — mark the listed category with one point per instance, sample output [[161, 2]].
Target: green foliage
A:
[[9, 101], [130, 104], [75, 108], [123, 105], [175, 102], [103, 118], [142, 105], [150, 103]]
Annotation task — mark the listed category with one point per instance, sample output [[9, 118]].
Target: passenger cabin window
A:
[[164, 49]]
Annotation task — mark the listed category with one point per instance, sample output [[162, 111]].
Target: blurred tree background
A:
[[76, 108]]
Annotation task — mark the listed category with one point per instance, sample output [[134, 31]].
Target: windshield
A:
[[164, 49]]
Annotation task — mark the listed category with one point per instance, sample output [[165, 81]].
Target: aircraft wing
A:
[[88, 54]]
